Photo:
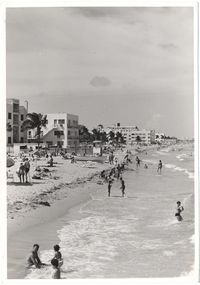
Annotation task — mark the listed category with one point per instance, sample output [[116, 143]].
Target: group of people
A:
[[23, 171], [56, 261]]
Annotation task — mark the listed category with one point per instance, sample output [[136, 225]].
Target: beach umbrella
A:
[[10, 162]]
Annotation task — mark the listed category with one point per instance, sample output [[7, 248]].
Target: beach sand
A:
[[101, 237]]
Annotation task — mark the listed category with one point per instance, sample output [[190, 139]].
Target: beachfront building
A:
[[15, 116], [61, 130], [132, 134], [159, 137]]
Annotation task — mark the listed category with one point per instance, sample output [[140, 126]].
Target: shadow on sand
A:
[[24, 184]]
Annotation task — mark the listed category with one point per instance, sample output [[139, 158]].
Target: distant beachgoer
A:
[[179, 209], [109, 186], [21, 172], [137, 161], [118, 171], [102, 175], [159, 167], [58, 255], [56, 269], [51, 161], [122, 186], [26, 168], [145, 166], [34, 258]]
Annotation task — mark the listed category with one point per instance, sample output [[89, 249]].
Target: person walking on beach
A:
[[21, 172], [159, 167], [26, 168], [34, 258], [122, 186], [56, 268], [179, 209]]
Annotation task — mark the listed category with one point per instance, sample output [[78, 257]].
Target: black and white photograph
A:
[[100, 142]]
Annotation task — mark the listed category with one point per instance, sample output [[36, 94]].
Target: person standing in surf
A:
[[56, 269], [109, 186], [137, 161], [159, 167], [122, 186], [179, 209]]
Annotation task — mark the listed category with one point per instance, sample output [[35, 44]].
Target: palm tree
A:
[[35, 121], [138, 139]]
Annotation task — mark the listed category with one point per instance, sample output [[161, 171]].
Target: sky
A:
[[106, 64]]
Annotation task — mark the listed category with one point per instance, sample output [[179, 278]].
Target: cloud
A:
[[98, 81], [168, 47]]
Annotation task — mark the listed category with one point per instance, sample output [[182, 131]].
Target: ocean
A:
[[135, 236]]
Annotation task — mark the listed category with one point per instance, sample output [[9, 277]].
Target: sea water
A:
[[134, 236]]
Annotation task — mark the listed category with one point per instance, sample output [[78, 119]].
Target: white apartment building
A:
[[15, 115], [132, 134], [61, 130]]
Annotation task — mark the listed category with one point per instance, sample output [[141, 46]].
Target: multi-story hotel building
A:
[[15, 115], [61, 130], [132, 134]]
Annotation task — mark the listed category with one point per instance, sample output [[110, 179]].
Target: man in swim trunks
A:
[[34, 258], [179, 209]]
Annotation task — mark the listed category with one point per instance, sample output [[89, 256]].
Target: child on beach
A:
[[56, 269], [58, 255], [179, 209]]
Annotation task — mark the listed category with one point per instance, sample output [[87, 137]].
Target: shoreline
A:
[[31, 224]]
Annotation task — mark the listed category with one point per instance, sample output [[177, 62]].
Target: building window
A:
[[9, 116], [55, 122], [9, 140], [29, 132], [69, 122], [15, 119], [21, 140], [16, 108], [49, 143], [62, 122], [68, 133], [22, 117]]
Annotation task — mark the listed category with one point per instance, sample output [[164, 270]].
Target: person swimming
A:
[[179, 209]]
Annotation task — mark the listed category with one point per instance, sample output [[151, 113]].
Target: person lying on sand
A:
[[34, 258], [179, 209]]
